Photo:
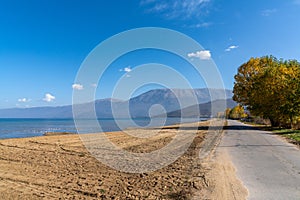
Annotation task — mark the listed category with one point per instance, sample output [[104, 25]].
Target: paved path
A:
[[268, 166]]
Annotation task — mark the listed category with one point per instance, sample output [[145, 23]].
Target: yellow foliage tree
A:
[[237, 112], [270, 88]]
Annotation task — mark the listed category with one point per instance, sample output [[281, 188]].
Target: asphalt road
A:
[[268, 166]]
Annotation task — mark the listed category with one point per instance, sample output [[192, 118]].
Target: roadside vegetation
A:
[[237, 112], [270, 89], [292, 135]]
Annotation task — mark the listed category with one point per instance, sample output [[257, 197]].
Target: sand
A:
[[60, 167]]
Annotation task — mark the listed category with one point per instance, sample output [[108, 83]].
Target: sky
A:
[[44, 43]]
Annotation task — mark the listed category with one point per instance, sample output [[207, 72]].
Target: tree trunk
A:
[[291, 122], [274, 123]]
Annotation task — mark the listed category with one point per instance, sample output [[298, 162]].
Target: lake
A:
[[20, 128]]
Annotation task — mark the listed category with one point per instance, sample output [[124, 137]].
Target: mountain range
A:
[[204, 109], [152, 103]]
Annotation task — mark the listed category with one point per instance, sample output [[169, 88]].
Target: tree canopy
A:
[[237, 112], [270, 88]]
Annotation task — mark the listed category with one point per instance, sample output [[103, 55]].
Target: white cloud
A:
[[77, 86], [202, 55], [49, 97], [182, 9], [202, 25], [143, 2], [94, 85], [268, 12], [126, 69], [231, 47], [160, 7], [24, 100]]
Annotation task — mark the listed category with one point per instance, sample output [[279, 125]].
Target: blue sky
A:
[[43, 43]]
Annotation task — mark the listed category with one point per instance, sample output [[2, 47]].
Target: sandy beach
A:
[[60, 167]]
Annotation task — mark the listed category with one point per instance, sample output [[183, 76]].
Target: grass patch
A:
[[288, 133], [293, 135]]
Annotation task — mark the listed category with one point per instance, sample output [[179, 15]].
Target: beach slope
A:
[[52, 167]]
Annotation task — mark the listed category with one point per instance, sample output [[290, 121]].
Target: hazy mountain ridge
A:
[[139, 106], [203, 110]]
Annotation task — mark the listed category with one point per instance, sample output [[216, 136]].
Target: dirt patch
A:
[[56, 133], [223, 183], [60, 167]]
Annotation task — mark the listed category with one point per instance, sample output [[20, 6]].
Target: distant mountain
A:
[[173, 99], [156, 101], [37, 112], [205, 109]]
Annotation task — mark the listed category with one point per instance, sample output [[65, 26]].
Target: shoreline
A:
[[52, 167], [67, 126]]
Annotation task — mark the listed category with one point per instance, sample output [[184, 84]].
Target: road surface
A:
[[268, 166]]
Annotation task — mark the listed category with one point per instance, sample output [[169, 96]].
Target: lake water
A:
[[20, 128]]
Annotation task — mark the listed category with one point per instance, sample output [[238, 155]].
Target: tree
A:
[[289, 72], [250, 88], [237, 112], [269, 88], [227, 112]]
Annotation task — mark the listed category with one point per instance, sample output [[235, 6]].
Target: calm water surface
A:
[[20, 128]]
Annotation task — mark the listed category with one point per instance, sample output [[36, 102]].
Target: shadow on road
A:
[[254, 145], [233, 127]]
